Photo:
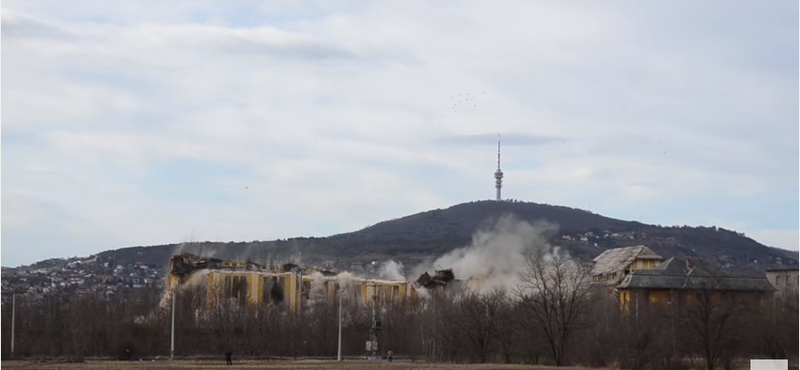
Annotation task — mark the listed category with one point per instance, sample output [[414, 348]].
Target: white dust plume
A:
[[392, 270], [496, 256]]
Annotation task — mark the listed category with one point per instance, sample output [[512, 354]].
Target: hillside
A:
[[428, 234], [584, 233]]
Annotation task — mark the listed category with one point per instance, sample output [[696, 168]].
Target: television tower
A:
[[498, 174]]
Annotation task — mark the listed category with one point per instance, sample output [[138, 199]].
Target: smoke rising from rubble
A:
[[197, 278], [200, 249], [317, 294], [497, 256], [259, 252], [494, 259], [344, 278], [392, 270]]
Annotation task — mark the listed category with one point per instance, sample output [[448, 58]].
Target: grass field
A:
[[292, 365]]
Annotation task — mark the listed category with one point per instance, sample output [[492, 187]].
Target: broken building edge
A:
[[247, 282]]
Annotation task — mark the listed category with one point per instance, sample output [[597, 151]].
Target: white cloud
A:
[[338, 115]]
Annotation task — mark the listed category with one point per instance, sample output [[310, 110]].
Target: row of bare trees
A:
[[553, 316]]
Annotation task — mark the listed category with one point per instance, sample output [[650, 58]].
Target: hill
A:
[[583, 233], [420, 236]]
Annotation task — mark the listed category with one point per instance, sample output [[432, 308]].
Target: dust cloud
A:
[[392, 270], [497, 255]]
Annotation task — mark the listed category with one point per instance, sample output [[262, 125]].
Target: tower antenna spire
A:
[[498, 151], [498, 174]]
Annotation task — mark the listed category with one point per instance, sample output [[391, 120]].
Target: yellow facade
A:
[[253, 287], [624, 299], [657, 297], [630, 298], [662, 297], [623, 270], [646, 264]]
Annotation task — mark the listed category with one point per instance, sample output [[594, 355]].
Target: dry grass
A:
[[294, 365]]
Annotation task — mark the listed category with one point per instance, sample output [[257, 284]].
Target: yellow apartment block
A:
[[230, 280]]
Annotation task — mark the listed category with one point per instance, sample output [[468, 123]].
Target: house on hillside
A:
[[680, 282], [611, 266]]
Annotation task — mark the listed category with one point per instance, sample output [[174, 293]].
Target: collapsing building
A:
[[444, 280], [247, 282], [437, 281]]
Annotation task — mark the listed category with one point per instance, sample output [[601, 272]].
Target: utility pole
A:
[[339, 353], [13, 319], [376, 325], [172, 336]]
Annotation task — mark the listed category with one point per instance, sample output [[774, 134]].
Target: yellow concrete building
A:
[[251, 283]]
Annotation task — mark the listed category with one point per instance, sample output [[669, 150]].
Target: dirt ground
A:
[[293, 365]]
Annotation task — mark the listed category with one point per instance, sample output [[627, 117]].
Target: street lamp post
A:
[[172, 335], [339, 355], [13, 319]]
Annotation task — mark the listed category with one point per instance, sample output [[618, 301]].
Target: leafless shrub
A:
[[555, 294]]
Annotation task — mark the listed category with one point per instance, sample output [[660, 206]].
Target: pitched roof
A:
[[673, 274], [617, 259], [782, 268]]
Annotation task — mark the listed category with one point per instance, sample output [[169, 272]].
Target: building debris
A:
[[440, 279]]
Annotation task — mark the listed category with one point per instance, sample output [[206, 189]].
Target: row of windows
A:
[[786, 280], [637, 265]]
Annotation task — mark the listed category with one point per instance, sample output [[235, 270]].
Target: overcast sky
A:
[[130, 123]]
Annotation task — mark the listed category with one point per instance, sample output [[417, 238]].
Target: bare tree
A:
[[639, 338], [777, 333], [710, 322], [601, 341], [555, 293], [474, 318], [429, 325], [506, 325]]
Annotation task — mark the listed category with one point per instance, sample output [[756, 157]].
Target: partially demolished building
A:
[[247, 282]]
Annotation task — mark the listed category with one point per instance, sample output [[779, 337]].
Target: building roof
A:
[[617, 259], [785, 268], [675, 273]]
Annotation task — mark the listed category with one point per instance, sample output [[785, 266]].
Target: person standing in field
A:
[[228, 356], [389, 355]]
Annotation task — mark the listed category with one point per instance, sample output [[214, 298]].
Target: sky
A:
[[153, 122]]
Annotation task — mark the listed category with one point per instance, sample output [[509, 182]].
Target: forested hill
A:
[[427, 234]]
